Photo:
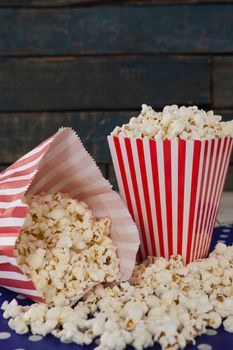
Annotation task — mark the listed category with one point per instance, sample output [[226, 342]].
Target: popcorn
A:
[[64, 249], [228, 324], [152, 307], [175, 123]]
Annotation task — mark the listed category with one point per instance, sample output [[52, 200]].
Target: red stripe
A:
[[123, 174], [9, 267], [10, 229], [16, 212], [155, 176], [221, 186], [204, 212], [136, 193], [168, 192], [7, 250], [215, 187], [181, 182], [10, 282], [198, 234], [195, 174], [37, 299], [21, 162], [14, 184], [209, 203], [142, 165]]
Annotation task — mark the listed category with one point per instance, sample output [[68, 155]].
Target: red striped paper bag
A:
[[59, 164], [172, 189]]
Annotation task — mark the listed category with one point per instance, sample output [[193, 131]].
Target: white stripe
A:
[[90, 187], [126, 262], [18, 178], [75, 178], [31, 292], [7, 241], [54, 171], [13, 204], [141, 193], [11, 275], [127, 246], [114, 213], [116, 168], [59, 145], [7, 259], [222, 177], [221, 158], [202, 199], [210, 188], [174, 176], [11, 191], [187, 193], [105, 197], [130, 185], [162, 192], [195, 233], [126, 229], [37, 149], [21, 168], [151, 190], [214, 185], [8, 222]]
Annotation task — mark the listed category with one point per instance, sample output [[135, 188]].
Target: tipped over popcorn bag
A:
[[172, 189], [60, 164]]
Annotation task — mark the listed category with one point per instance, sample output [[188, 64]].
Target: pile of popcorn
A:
[[165, 302], [64, 249], [175, 123]]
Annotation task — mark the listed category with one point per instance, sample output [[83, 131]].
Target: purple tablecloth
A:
[[215, 340]]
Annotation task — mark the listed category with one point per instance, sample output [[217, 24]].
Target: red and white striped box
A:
[[60, 163], [172, 189]]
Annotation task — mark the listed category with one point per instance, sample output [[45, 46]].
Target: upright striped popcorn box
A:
[[172, 189], [59, 164]]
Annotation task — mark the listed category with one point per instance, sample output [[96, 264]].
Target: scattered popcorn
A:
[[175, 123], [64, 249], [228, 324], [155, 306]]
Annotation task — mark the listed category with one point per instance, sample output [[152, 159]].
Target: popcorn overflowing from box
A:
[[77, 231], [64, 249], [64, 232], [170, 168]]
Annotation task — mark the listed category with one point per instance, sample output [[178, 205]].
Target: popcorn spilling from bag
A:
[[64, 249], [175, 123], [165, 302]]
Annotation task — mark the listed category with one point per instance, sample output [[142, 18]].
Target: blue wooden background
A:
[[90, 64]]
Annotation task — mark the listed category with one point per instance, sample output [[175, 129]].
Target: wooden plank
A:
[[223, 82], [20, 132], [112, 177], [226, 114], [229, 180], [63, 3], [117, 29], [102, 83]]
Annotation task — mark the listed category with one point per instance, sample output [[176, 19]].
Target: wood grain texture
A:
[[20, 132], [229, 180], [131, 29], [223, 82], [64, 3], [103, 83]]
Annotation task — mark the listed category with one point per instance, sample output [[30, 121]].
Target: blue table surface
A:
[[215, 340]]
